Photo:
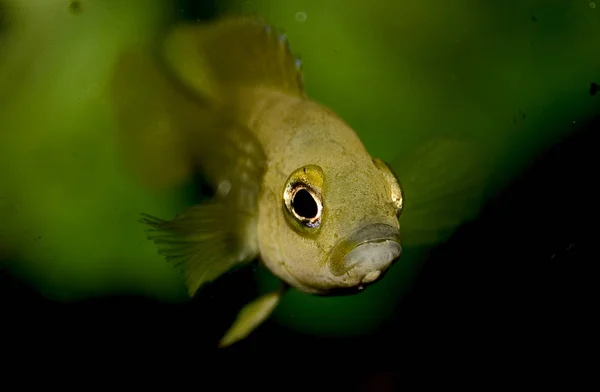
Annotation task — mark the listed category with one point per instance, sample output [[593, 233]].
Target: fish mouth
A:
[[365, 254]]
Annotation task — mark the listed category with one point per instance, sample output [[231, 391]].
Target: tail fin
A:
[[171, 101]]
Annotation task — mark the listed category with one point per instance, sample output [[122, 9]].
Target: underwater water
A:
[[518, 77]]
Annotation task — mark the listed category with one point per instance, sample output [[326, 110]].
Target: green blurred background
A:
[[513, 75]]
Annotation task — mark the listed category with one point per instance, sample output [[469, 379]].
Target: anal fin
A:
[[250, 317]]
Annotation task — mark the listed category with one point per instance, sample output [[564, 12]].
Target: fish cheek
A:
[[303, 260], [273, 233], [289, 255]]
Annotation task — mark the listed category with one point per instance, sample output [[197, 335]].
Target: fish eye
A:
[[305, 205], [302, 197], [396, 192]]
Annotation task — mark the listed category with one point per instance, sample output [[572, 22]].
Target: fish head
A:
[[332, 226]]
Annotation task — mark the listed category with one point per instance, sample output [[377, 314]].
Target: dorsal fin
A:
[[167, 107], [219, 58]]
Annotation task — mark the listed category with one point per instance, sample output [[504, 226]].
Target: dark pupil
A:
[[304, 204]]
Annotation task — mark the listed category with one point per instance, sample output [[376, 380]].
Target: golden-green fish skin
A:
[[297, 132]]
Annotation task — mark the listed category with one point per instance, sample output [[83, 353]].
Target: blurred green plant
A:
[[71, 211]]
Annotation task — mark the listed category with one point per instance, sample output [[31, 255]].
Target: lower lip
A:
[[371, 277]]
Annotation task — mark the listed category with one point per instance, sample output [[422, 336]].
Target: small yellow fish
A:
[[294, 186]]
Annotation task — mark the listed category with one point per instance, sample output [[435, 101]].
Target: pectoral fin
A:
[[205, 241], [443, 184], [250, 317]]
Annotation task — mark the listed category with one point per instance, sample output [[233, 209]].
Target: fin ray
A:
[[217, 58], [205, 241]]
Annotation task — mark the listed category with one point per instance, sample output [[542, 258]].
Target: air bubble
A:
[[300, 16], [224, 188]]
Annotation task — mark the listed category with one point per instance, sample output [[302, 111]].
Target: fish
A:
[[294, 186]]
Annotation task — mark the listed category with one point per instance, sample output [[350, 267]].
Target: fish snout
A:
[[363, 256], [370, 259]]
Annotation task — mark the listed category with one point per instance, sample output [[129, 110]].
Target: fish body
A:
[[354, 192], [294, 185]]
